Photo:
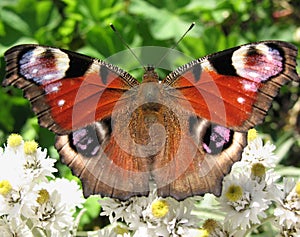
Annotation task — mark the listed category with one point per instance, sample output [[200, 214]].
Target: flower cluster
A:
[[252, 195], [31, 204], [150, 216], [288, 211], [251, 191]]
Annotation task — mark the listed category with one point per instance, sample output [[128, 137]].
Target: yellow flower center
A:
[[119, 230], [30, 147], [252, 134], [14, 140], [43, 196], [210, 225], [297, 189], [258, 170], [203, 233], [160, 208], [5, 187], [234, 193]]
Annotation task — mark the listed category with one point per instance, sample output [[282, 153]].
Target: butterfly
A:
[[181, 134]]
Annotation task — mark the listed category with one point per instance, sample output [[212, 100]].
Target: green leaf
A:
[[30, 129], [14, 21], [288, 171], [92, 210], [2, 29], [168, 26], [47, 15], [284, 144]]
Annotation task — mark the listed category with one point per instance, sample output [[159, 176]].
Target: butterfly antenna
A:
[[127, 46], [178, 41]]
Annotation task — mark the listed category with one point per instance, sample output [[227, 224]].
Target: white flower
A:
[[181, 220], [153, 215], [243, 200], [144, 231], [11, 167], [54, 205], [25, 163], [51, 214], [257, 152], [292, 231], [114, 230], [22, 165], [288, 210], [265, 178], [15, 200], [10, 227], [29, 202], [124, 210], [214, 228], [38, 165], [271, 187], [70, 192], [192, 232]]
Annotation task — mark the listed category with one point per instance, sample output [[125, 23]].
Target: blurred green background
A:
[[83, 26]]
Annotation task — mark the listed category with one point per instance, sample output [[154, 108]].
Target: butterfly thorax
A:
[[149, 113], [149, 91], [150, 75]]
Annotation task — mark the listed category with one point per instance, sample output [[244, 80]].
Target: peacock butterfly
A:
[[183, 133]]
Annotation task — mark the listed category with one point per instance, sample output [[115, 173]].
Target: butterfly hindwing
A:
[[103, 167], [193, 162]]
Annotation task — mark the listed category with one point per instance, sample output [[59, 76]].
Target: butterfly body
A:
[[182, 133]]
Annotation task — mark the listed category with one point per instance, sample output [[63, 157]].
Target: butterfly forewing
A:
[[235, 87], [66, 89]]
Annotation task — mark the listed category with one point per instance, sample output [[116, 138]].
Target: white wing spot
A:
[[61, 103], [241, 100], [52, 88], [249, 86]]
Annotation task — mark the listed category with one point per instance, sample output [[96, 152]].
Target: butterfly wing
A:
[[67, 90], [195, 157], [74, 95], [219, 97], [235, 87], [102, 164]]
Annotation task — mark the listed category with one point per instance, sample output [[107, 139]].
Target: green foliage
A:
[[83, 26]]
